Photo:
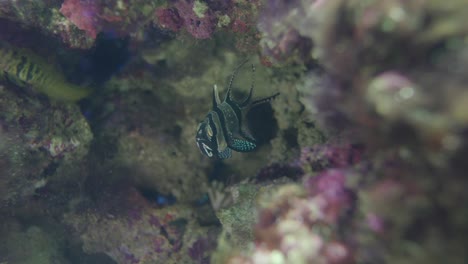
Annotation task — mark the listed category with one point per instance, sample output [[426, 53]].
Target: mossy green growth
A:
[[32, 246], [26, 69], [223, 21], [199, 8], [237, 221]]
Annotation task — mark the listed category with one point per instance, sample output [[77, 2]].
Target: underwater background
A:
[[361, 158]]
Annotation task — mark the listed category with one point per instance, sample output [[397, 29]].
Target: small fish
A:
[[225, 127], [26, 69]]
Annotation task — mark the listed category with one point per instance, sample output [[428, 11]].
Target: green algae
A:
[[30, 246], [199, 8], [238, 222]]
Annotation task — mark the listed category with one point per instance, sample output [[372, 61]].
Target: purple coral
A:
[[284, 38], [199, 249], [200, 27], [290, 223], [83, 14], [329, 155], [118, 17], [278, 170], [330, 187], [182, 15], [169, 18]]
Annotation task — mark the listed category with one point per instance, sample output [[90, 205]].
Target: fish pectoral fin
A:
[[242, 145], [225, 154]]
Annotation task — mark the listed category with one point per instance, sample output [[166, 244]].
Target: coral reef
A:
[[132, 230], [45, 17], [148, 144], [361, 157], [78, 22], [30, 246], [383, 83], [201, 19], [119, 17], [39, 151], [295, 228]]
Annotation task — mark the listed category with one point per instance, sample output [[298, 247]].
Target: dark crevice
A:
[[262, 123]]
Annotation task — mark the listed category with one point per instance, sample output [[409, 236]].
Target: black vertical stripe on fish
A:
[[236, 109], [212, 125], [238, 113], [222, 124], [229, 115], [231, 122], [38, 74], [30, 70], [20, 66]]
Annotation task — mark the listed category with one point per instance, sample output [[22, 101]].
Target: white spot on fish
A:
[[208, 150]]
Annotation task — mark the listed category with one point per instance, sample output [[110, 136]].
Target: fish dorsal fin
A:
[[216, 100], [249, 97], [234, 74]]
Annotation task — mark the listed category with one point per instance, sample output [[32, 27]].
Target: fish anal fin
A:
[[225, 154]]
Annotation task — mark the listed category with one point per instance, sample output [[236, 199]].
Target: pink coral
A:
[[182, 15], [331, 156], [329, 188], [131, 230], [290, 223], [118, 17], [82, 13], [199, 27], [169, 18]]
